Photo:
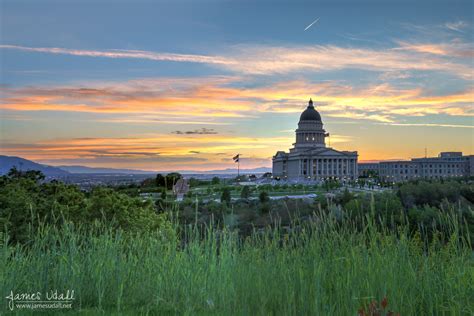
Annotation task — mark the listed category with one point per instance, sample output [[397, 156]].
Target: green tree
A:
[[245, 193], [26, 204], [160, 180], [193, 182], [215, 180], [171, 179], [33, 175], [263, 197], [148, 183], [225, 196]]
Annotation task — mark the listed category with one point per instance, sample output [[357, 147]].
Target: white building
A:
[[446, 165], [310, 159]]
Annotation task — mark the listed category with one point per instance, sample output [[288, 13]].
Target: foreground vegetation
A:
[[329, 256], [324, 268]]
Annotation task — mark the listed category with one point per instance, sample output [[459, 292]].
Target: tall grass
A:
[[324, 268]]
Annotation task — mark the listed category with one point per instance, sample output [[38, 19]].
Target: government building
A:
[[446, 165], [310, 159]]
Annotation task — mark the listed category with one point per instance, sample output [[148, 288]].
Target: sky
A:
[[186, 85]]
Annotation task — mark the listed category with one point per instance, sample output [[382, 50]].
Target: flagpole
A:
[[238, 168], [237, 160]]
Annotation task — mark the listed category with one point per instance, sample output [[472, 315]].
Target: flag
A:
[[236, 158]]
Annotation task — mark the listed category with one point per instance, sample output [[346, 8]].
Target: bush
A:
[[263, 197], [225, 196], [245, 193], [265, 207], [26, 205]]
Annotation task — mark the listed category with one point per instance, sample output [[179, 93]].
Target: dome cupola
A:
[[310, 114], [310, 132]]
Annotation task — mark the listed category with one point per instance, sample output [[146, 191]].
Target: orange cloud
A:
[[161, 150], [214, 101]]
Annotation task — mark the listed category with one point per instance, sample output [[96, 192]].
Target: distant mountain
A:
[[228, 171], [234, 170], [83, 169], [7, 162]]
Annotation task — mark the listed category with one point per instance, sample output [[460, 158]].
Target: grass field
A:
[[324, 269]]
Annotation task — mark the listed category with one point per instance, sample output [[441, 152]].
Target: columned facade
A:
[[310, 159]]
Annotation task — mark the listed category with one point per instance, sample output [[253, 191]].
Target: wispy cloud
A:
[[457, 26], [429, 125], [453, 49], [265, 60], [119, 53]]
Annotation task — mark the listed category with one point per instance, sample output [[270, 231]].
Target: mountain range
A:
[[7, 162]]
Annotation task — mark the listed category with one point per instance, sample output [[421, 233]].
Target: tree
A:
[[171, 179], [27, 205], [263, 197], [216, 180], [225, 196], [160, 180], [245, 193], [148, 183], [193, 182], [34, 175], [264, 200]]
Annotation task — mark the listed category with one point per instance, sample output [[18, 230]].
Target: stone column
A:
[[338, 167], [355, 168], [356, 171], [310, 167]]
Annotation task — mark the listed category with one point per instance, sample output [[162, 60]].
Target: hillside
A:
[[7, 162]]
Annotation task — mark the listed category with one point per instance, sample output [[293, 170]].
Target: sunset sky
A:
[[180, 85]]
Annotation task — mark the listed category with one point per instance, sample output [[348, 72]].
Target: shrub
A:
[[263, 197], [245, 193], [26, 205], [225, 196]]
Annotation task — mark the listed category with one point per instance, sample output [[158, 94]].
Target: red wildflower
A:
[[384, 302]]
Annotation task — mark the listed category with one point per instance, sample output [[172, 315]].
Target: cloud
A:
[[452, 49], [268, 60], [457, 26], [119, 53], [202, 131], [147, 151], [217, 101], [155, 101], [429, 125]]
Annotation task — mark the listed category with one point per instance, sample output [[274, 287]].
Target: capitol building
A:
[[310, 159]]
